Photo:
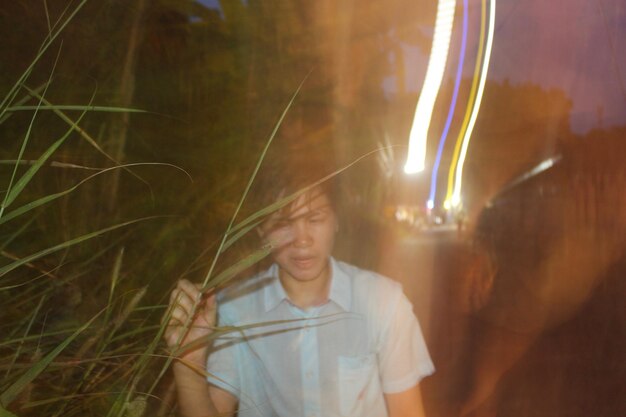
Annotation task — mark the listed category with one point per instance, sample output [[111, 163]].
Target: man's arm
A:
[[406, 403], [191, 317], [196, 398]]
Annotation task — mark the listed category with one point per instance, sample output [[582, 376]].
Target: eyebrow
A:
[[320, 210]]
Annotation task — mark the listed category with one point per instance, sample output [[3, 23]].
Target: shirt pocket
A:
[[359, 384]]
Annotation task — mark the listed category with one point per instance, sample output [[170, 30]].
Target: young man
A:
[[320, 337]]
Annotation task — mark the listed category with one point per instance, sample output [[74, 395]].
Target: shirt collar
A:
[[274, 291], [340, 288]]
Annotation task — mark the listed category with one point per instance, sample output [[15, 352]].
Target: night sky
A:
[[572, 45]]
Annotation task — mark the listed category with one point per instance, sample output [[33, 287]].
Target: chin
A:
[[306, 276]]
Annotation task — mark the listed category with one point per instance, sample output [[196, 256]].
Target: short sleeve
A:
[[403, 356]]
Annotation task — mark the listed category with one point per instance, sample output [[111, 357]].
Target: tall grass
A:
[[62, 354], [54, 361], [82, 298]]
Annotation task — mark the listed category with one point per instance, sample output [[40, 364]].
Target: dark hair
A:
[[287, 174]]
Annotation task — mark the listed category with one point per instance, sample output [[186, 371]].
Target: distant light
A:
[[430, 204], [416, 159], [456, 201]]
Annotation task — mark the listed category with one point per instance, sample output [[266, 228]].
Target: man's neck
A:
[[306, 294]]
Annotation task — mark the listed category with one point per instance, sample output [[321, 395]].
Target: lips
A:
[[304, 262]]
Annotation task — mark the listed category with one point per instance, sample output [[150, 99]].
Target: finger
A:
[[171, 306], [211, 301], [181, 299], [180, 315], [180, 306], [189, 288], [173, 332], [210, 310]]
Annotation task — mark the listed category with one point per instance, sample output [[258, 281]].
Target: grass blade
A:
[[234, 238], [10, 192], [10, 267], [117, 266], [6, 413], [286, 200], [28, 175], [26, 332], [24, 100], [51, 197], [251, 180], [13, 391], [55, 107], [226, 330], [238, 267], [44, 47]]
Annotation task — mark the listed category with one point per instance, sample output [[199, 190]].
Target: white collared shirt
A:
[[336, 359]]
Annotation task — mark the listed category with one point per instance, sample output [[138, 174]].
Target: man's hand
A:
[[190, 316]]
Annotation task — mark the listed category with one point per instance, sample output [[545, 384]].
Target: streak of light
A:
[[456, 196], [455, 94], [416, 158], [538, 169], [468, 110]]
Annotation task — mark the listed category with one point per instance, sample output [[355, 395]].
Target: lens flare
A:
[[416, 158]]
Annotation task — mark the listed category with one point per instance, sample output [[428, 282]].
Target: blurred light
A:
[[416, 158], [455, 202], [455, 94], [538, 169], [479, 96], [548, 163], [470, 104], [430, 204]]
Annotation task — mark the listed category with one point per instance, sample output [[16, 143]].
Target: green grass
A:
[[70, 348], [83, 287], [54, 361]]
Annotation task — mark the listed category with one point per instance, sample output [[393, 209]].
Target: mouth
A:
[[304, 262]]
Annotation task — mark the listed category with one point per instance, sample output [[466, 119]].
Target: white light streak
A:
[[416, 159]]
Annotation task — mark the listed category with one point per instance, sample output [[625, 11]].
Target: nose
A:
[[301, 234]]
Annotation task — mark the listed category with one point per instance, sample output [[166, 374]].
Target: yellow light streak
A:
[[456, 196], [472, 97], [416, 158]]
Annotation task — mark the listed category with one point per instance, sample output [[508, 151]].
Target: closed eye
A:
[[317, 218], [280, 224]]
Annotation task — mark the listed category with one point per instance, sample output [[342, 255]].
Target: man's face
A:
[[303, 234]]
